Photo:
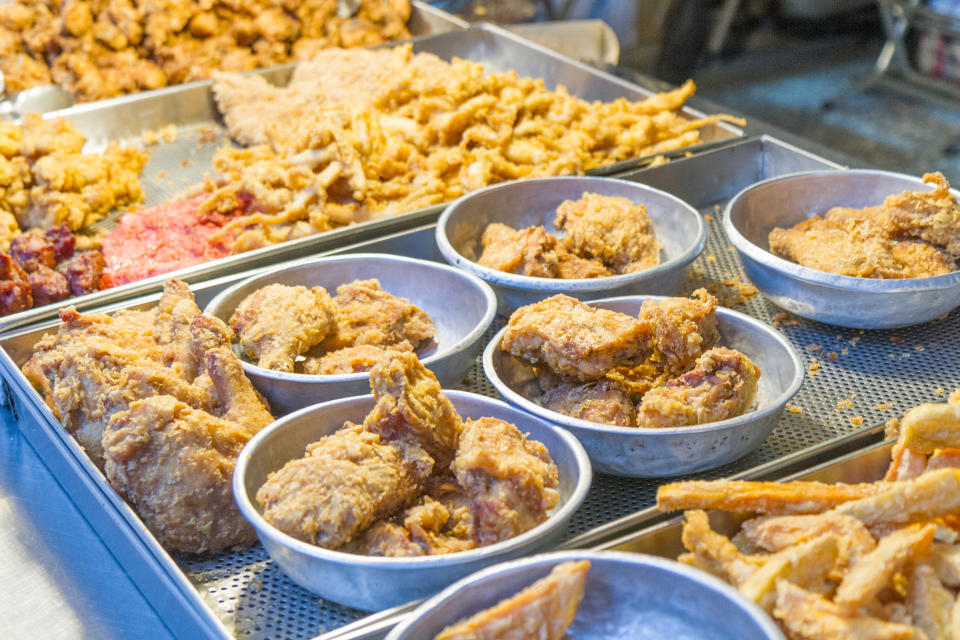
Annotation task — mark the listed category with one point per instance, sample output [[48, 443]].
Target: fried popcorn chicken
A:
[[723, 384], [574, 339], [544, 610], [911, 235], [277, 323], [605, 402], [614, 231], [366, 314]]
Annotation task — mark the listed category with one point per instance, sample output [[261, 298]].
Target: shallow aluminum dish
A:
[[847, 301], [649, 453], [461, 305], [373, 583], [678, 226], [627, 595]]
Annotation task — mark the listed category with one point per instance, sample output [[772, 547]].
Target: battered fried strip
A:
[[806, 564], [932, 495], [944, 459], [905, 464], [929, 604], [714, 552], [928, 427], [775, 533], [875, 570], [811, 617], [945, 559], [762, 497]]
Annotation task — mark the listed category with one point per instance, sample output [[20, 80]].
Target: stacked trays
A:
[[858, 380]]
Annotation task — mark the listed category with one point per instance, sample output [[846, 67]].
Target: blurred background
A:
[[878, 80]]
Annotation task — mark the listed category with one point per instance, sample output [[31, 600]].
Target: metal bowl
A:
[[373, 583], [627, 595], [847, 301], [647, 453], [678, 226], [462, 307]]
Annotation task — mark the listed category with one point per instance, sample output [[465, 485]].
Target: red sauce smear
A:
[[164, 238]]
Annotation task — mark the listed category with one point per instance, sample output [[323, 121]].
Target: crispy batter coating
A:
[[775, 533], [356, 359], [344, 483], [175, 465], [605, 402], [912, 234], [366, 314], [574, 339], [510, 479], [809, 615], [528, 252], [613, 230], [401, 131], [722, 385], [714, 552], [544, 610], [762, 497], [277, 323]]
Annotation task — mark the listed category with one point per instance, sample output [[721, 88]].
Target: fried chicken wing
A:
[[722, 385], [411, 406], [605, 402], [575, 339], [366, 314], [344, 483], [544, 610], [510, 479], [613, 230], [681, 329], [277, 323], [175, 465], [529, 252]]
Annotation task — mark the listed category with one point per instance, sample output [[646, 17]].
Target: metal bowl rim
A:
[[721, 425], [825, 278], [263, 528], [763, 620], [524, 283], [475, 334]]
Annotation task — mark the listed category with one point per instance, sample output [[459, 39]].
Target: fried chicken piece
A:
[[528, 252], [932, 216], [411, 406], [358, 359], [344, 483], [613, 230], [605, 402], [509, 479], [574, 267], [47, 286], [722, 385], [366, 314], [277, 323], [175, 465], [544, 610], [232, 395], [682, 328], [575, 339], [16, 294]]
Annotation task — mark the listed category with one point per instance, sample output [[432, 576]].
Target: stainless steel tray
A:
[[174, 166], [244, 594]]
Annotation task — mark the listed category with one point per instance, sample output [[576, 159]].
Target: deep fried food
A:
[[806, 564], [762, 497], [544, 610], [366, 314], [574, 339], [510, 479], [775, 533], [48, 286], [605, 402], [16, 294], [808, 615], [174, 464], [713, 552], [344, 483], [356, 359], [723, 384], [911, 235], [528, 252], [277, 323], [681, 329], [932, 495], [411, 406], [614, 231]]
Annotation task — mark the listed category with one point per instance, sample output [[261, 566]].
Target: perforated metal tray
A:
[[245, 595], [173, 166]]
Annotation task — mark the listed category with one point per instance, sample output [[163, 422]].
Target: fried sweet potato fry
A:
[[944, 459], [905, 464], [806, 564], [932, 495], [762, 497], [928, 427], [809, 616], [929, 604], [713, 552], [775, 533], [875, 570]]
